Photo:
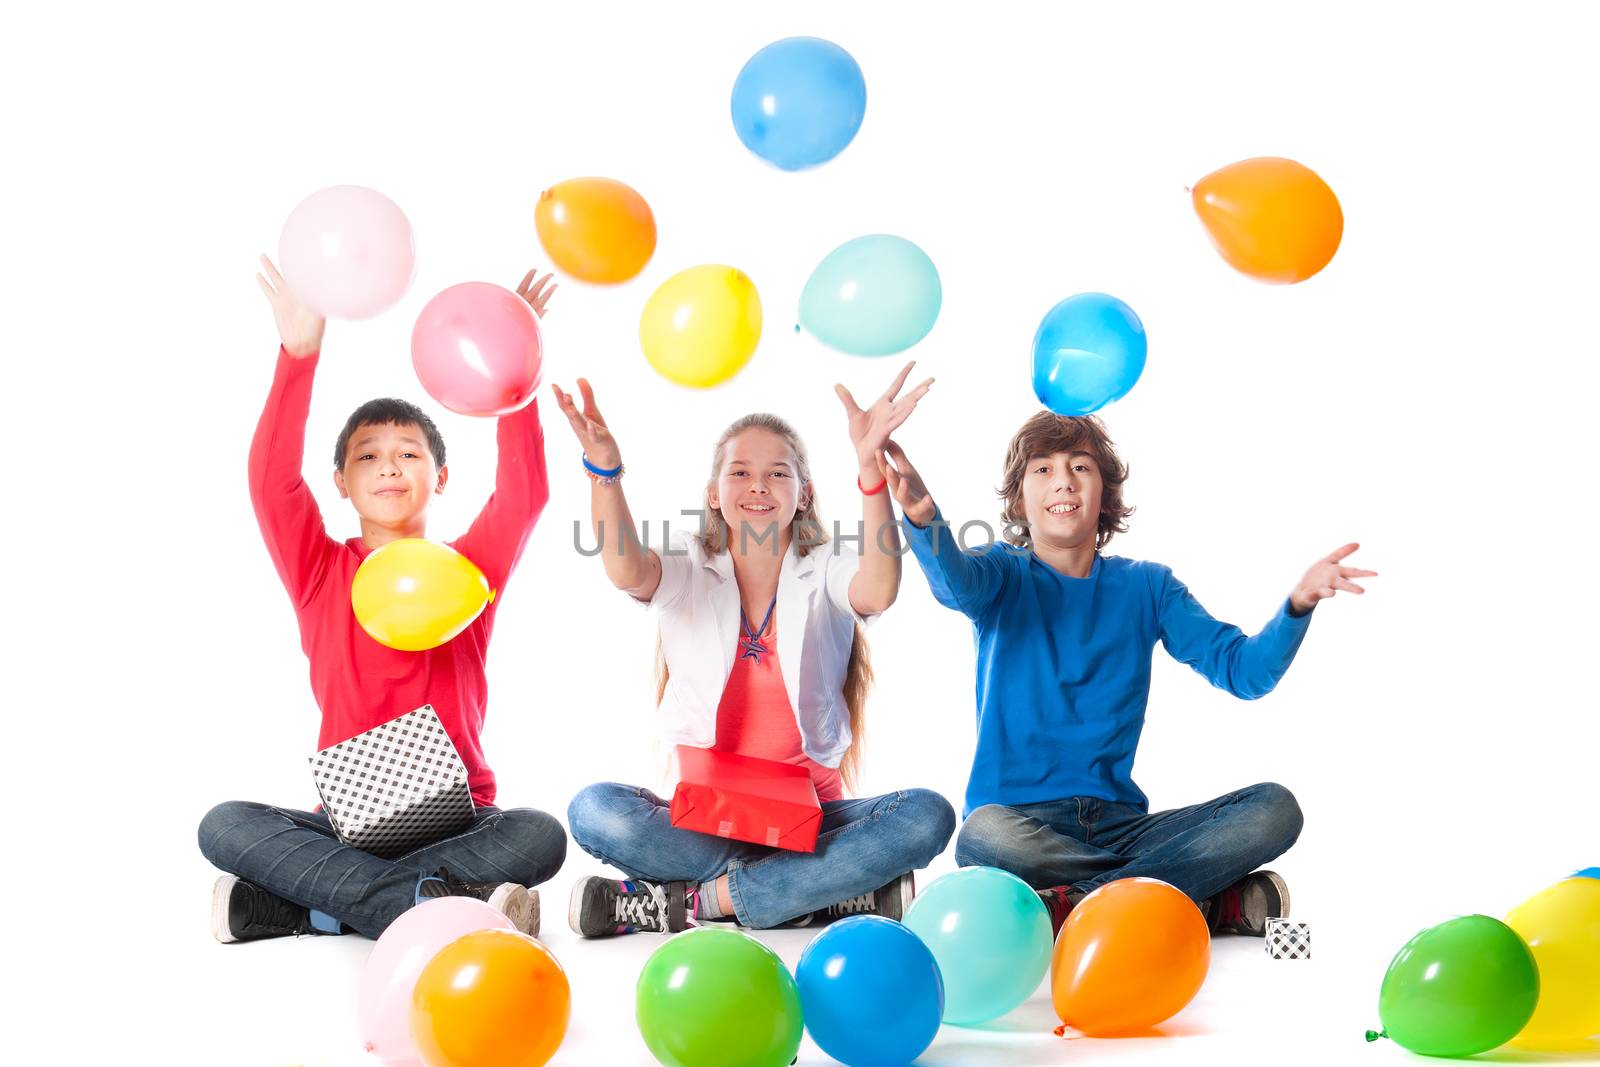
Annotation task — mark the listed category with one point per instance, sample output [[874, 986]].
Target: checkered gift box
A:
[[1288, 939], [395, 788]]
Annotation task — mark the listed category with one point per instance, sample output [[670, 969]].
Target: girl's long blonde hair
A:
[[714, 539]]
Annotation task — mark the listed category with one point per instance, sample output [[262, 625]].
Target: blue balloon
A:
[[798, 102], [870, 992], [1088, 351], [1588, 872], [872, 296]]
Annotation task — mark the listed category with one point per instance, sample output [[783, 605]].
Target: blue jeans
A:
[[1085, 842], [862, 845], [295, 855]]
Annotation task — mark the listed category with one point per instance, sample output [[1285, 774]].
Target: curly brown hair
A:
[[1045, 435]]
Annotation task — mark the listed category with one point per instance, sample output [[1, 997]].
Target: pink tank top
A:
[[754, 717]]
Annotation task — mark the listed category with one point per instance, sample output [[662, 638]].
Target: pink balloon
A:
[[347, 252], [406, 947], [478, 350]]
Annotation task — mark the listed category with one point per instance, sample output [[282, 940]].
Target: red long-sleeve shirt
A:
[[357, 682]]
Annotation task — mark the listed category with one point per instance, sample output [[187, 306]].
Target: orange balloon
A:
[[495, 998], [1130, 955], [1271, 218], [596, 229]]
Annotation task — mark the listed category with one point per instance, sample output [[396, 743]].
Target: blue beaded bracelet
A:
[[600, 472]]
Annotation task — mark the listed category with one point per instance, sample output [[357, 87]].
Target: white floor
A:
[[292, 1002]]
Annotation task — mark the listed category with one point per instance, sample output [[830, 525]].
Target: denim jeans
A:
[[295, 855], [1085, 842], [862, 845]]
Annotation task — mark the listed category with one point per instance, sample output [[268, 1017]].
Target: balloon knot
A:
[[547, 194], [491, 596], [1060, 1031], [1373, 1035]]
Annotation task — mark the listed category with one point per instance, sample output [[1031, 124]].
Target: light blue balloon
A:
[[798, 102], [1588, 872], [872, 296], [870, 992], [990, 933], [1088, 351]]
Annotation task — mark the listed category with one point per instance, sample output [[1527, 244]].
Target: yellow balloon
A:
[[701, 326], [1562, 926], [413, 594]]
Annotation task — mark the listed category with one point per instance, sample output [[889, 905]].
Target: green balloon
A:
[[1460, 988], [717, 998], [873, 296]]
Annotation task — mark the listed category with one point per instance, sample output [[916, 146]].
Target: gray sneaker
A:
[[606, 907], [1245, 906], [890, 901], [243, 911], [516, 902]]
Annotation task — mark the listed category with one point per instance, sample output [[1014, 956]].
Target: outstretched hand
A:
[[906, 485], [870, 427], [299, 328], [1327, 577], [535, 292], [589, 426]]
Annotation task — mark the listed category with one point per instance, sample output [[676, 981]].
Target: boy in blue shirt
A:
[[1064, 640]]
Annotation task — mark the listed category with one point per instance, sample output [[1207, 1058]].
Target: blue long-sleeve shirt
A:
[[1063, 674]]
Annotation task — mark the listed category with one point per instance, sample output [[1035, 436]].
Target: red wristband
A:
[[870, 492]]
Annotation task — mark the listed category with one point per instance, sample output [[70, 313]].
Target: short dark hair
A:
[[387, 411], [1045, 435]]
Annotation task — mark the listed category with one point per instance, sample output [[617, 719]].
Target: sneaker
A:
[[241, 911], [890, 901], [1245, 906], [516, 902], [606, 907], [1059, 901]]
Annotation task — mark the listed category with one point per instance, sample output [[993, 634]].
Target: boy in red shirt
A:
[[288, 873]]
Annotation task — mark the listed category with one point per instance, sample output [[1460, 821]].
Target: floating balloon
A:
[[855, 1011], [798, 102], [478, 350], [1130, 955], [872, 296], [1562, 927], [700, 327], [596, 229], [347, 251], [1271, 218], [413, 594], [710, 997], [397, 960], [1459, 988], [496, 998], [1088, 351], [990, 934]]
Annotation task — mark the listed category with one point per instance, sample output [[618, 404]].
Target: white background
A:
[[1430, 395]]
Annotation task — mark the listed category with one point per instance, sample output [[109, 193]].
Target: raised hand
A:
[[906, 485], [1326, 577], [535, 292], [299, 328], [589, 426], [870, 427]]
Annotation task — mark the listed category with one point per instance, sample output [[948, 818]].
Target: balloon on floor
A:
[[1457, 989], [347, 252], [1561, 925], [396, 961], [712, 997], [700, 327], [496, 998], [1271, 218], [477, 349], [414, 594], [990, 934], [1131, 954], [871, 992], [798, 102], [872, 296], [596, 229], [1088, 351]]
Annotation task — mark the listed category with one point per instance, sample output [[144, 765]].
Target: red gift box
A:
[[748, 799]]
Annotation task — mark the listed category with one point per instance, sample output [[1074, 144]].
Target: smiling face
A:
[[1061, 499], [389, 475], [758, 485]]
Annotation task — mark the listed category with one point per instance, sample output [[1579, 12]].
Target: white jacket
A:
[[698, 604]]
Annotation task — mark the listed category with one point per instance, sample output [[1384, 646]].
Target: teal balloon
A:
[[990, 934], [1460, 988], [1588, 872], [1088, 351], [873, 296]]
